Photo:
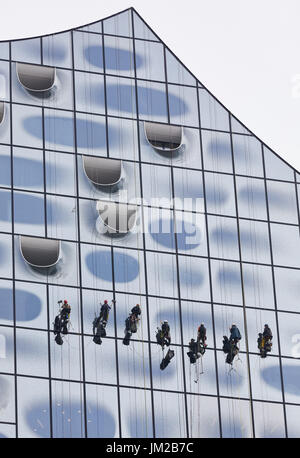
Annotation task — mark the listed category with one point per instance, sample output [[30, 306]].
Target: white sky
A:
[[246, 52]]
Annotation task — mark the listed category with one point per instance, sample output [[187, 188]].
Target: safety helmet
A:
[[202, 324], [65, 301], [105, 302], [165, 321]]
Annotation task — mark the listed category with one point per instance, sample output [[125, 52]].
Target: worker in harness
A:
[[235, 335], [230, 346], [131, 324], [61, 322], [163, 336], [264, 341], [100, 322], [201, 336]]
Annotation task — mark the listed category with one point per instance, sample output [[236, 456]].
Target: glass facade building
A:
[[85, 118]]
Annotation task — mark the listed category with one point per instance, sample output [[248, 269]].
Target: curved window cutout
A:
[[2, 109], [102, 171], [40, 252], [118, 218], [163, 137], [36, 78]]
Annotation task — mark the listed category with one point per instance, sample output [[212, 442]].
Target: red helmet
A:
[[105, 302], [65, 301]]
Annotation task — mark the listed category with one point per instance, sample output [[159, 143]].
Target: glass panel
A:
[[152, 101], [282, 202], [100, 361], [217, 151], [6, 352], [220, 197], [213, 115], [287, 282], [102, 411], [276, 168], [59, 130], [226, 282], [251, 198], [119, 58], [31, 305], [88, 52], [194, 282], [26, 50], [57, 50], [121, 97], [60, 173], [236, 418], [28, 169], [133, 363], [33, 411], [270, 424], [68, 409], [29, 213], [6, 299], [5, 166], [247, 156], [6, 255], [27, 126], [254, 237], [122, 138], [141, 29], [5, 210], [91, 134], [29, 343], [203, 417], [61, 218], [292, 413], [286, 245], [7, 398], [119, 24], [223, 237], [89, 92], [162, 275], [289, 325], [173, 425], [149, 60], [136, 413], [177, 73], [183, 105], [258, 286]]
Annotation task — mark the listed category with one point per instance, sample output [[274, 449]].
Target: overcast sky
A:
[[246, 52]]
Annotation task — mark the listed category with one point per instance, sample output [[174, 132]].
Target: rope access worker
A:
[[131, 323], [61, 321], [230, 346], [235, 335], [163, 335], [100, 322], [264, 341], [201, 337], [193, 351], [136, 310]]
